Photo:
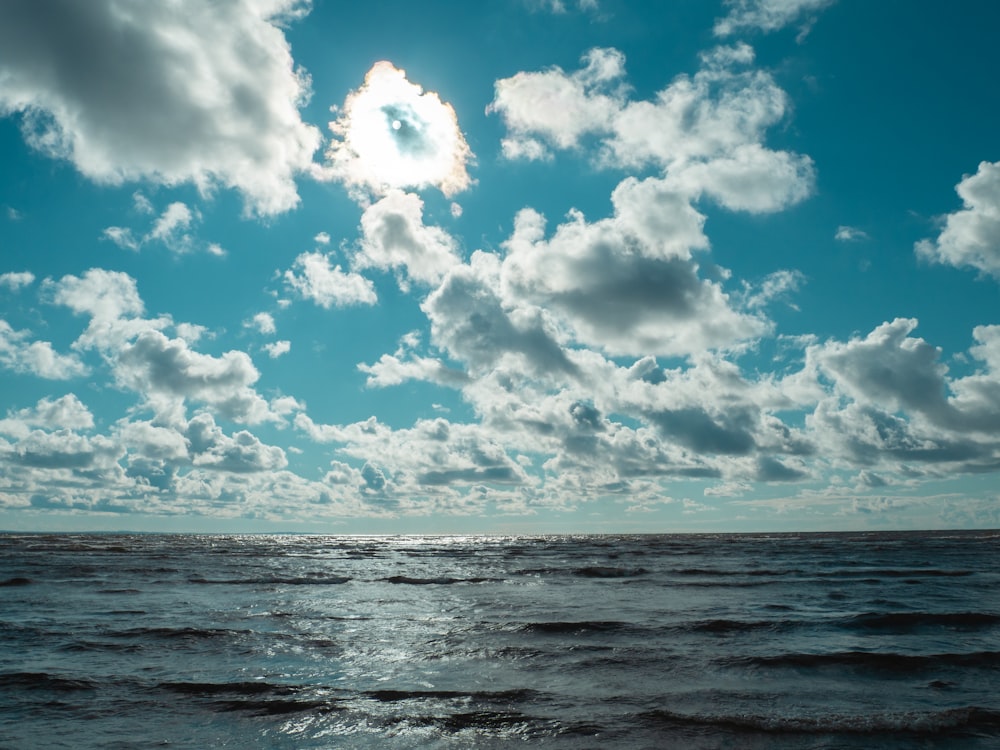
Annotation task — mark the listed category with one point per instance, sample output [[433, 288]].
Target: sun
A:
[[393, 134]]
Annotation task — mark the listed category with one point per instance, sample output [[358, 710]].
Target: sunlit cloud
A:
[[392, 134]]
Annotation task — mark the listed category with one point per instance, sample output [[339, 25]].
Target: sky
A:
[[525, 266]]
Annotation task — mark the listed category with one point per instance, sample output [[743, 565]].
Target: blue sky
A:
[[524, 266]]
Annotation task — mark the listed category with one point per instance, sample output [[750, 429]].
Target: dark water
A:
[[714, 641]]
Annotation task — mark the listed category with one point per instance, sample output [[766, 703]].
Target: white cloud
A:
[[752, 179], [104, 295], [64, 413], [210, 94], [15, 280], [894, 403], [242, 452], [626, 284], [558, 107], [164, 371], [393, 134], [172, 228], [112, 301], [430, 458], [469, 320], [394, 237], [167, 372], [850, 234], [20, 354], [971, 236], [322, 238], [328, 286], [559, 6], [766, 15], [276, 349], [391, 370], [123, 237], [263, 322], [704, 131]]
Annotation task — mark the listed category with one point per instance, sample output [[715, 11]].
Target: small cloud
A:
[[322, 239], [263, 322], [16, 280], [121, 236], [13, 214], [850, 234], [456, 210], [141, 203], [768, 15], [971, 235], [277, 348], [172, 228], [328, 286]]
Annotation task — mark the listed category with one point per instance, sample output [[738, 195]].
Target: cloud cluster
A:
[[971, 236], [765, 15], [704, 131], [393, 134], [314, 278], [394, 237], [210, 94], [19, 353]]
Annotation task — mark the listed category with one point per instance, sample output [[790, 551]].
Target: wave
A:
[[17, 581], [437, 580], [950, 721], [275, 581], [889, 663], [256, 698], [577, 627], [517, 695], [44, 681], [601, 571], [735, 626], [185, 634], [901, 622]]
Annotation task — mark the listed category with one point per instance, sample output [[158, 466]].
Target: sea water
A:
[[874, 640]]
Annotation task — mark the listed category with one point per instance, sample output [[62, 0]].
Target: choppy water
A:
[[706, 641]]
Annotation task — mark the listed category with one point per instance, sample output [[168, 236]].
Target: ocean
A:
[[849, 640]]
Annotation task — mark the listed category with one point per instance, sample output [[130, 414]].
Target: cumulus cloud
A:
[[15, 280], [765, 15], [168, 372], [704, 131], [64, 413], [553, 107], [626, 284], [241, 452], [111, 299], [328, 286], [431, 457], [65, 449], [469, 319], [276, 349], [893, 401], [263, 322], [971, 236], [393, 134], [210, 94], [165, 371], [394, 237], [21, 354]]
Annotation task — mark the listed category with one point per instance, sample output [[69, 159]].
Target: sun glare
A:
[[395, 135]]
